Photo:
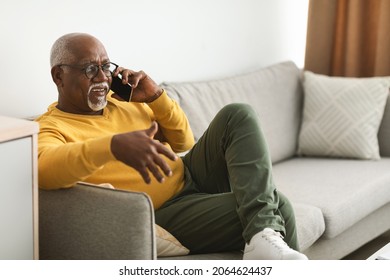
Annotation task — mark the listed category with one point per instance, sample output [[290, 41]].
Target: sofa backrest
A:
[[274, 92]]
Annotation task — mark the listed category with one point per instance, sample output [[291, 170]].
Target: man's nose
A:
[[101, 76]]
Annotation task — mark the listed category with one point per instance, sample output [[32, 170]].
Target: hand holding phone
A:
[[125, 91]]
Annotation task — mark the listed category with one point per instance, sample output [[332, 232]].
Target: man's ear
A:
[[56, 75]]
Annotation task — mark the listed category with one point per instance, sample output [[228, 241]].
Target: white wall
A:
[[171, 40]]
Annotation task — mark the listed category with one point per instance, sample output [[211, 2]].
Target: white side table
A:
[[18, 189], [382, 251]]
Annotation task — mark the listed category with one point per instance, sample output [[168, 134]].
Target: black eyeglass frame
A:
[[85, 67]]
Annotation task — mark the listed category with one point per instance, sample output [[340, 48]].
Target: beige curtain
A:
[[348, 38]]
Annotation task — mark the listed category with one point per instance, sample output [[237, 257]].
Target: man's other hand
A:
[[139, 150]]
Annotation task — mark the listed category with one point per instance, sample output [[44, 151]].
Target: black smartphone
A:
[[125, 91]]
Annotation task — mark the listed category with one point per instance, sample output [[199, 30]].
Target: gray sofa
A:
[[340, 204]]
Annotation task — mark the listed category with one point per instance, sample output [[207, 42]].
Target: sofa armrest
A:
[[86, 222]]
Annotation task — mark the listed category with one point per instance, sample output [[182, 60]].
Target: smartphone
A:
[[125, 91]]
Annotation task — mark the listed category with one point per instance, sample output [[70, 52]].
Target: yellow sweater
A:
[[75, 147]]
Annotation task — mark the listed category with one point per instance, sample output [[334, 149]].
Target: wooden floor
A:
[[370, 248]]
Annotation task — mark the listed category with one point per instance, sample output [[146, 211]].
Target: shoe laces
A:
[[275, 238]]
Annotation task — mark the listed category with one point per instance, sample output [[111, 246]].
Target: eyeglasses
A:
[[91, 70]]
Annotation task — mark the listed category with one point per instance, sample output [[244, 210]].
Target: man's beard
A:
[[101, 99]]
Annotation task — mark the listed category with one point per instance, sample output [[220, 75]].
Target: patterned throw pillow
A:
[[341, 116], [168, 245]]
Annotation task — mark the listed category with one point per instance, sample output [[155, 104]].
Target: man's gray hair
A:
[[61, 51]]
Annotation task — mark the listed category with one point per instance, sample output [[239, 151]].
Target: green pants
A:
[[229, 193]]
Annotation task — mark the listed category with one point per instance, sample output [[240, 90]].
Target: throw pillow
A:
[[341, 116], [168, 245]]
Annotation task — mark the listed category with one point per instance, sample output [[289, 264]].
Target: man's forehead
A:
[[90, 52], [93, 61]]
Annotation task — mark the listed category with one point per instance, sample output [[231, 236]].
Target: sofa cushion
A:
[[341, 116], [345, 190], [310, 224], [274, 92], [167, 244]]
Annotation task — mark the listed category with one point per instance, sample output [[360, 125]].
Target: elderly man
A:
[[220, 196]]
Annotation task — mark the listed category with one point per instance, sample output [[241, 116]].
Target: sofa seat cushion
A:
[[310, 224], [345, 190], [275, 92]]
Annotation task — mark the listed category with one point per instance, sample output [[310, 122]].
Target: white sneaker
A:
[[269, 245]]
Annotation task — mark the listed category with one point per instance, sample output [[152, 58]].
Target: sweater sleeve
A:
[[173, 123], [62, 164]]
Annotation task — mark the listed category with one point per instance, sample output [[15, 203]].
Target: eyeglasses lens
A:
[[92, 70]]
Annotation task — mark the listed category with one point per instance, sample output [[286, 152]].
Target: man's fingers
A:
[[145, 175], [161, 149], [155, 168], [163, 166], [148, 156], [156, 172], [130, 76], [136, 77]]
